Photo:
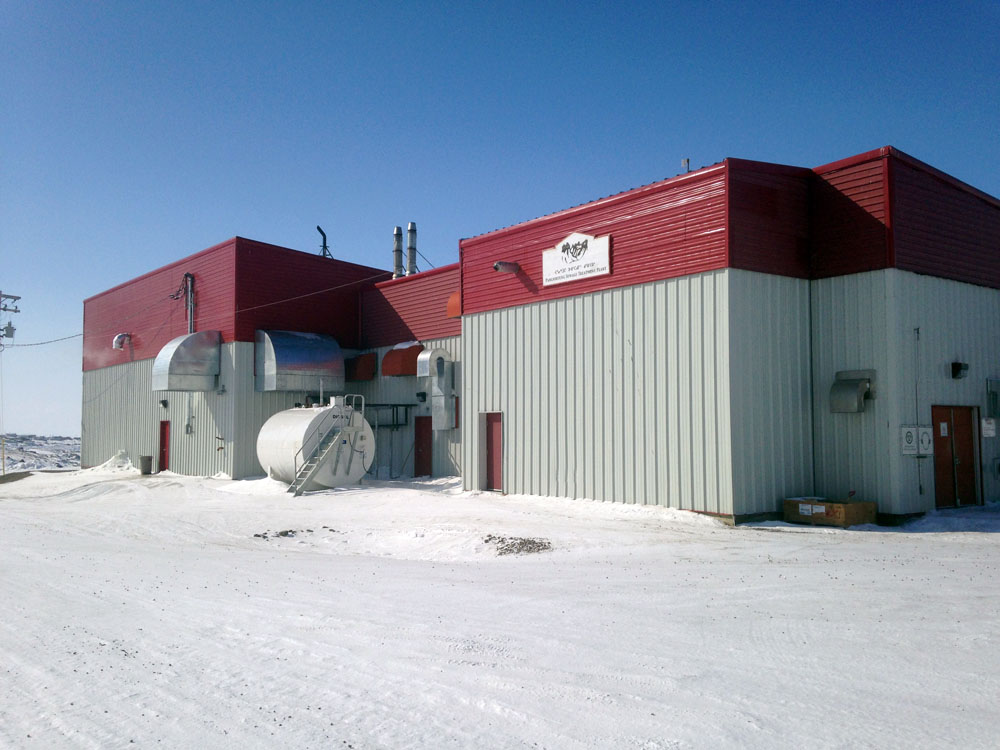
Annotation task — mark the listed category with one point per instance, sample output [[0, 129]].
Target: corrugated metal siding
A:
[[143, 308], [282, 289], [957, 322], [850, 332], [664, 230], [394, 446], [848, 215], [251, 409], [770, 390], [410, 308], [620, 395], [942, 230], [768, 218], [120, 411]]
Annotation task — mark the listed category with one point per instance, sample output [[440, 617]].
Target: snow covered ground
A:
[[183, 612]]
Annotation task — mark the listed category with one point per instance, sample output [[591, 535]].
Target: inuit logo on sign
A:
[[573, 251], [579, 256]]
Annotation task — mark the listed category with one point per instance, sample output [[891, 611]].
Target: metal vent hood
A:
[[850, 389], [188, 363], [296, 361]]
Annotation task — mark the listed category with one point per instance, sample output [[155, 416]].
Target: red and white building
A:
[[716, 341]]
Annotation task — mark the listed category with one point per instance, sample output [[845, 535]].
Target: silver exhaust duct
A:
[[411, 248], [397, 252]]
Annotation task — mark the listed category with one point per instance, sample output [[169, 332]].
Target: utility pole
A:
[[7, 305], [7, 332]]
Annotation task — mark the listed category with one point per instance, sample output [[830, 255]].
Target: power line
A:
[[50, 341], [120, 321]]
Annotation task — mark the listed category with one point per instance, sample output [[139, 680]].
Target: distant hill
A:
[[37, 452]]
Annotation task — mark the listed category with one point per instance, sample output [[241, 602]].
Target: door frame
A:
[[163, 454], [941, 442], [488, 459], [423, 442]]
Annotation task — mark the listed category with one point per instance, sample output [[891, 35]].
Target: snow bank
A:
[[187, 611]]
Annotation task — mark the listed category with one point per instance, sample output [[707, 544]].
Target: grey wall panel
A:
[[849, 324], [121, 411], [771, 393], [868, 321], [957, 322], [251, 408], [619, 395], [395, 445]]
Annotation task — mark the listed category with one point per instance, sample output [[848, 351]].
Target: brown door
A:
[[956, 464], [164, 462], [423, 465], [494, 451]]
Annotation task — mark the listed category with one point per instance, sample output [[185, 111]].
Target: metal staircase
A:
[[335, 441]]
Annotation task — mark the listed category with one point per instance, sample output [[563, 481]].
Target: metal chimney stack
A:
[[397, 252], [411, 248]]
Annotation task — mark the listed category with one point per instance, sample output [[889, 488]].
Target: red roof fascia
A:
[[417, 276], [208, 251], [600, 202]]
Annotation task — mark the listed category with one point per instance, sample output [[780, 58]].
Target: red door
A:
[[956, 471], [494, 451], [423, 465], [164, 462]]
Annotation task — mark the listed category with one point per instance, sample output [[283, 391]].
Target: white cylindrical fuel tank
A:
[[284, 434]]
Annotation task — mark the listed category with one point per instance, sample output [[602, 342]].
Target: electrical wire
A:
[[380, 275], [425, 258], [50, 341], [118, 323]]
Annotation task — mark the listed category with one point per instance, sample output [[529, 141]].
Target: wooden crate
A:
[[819, 511]]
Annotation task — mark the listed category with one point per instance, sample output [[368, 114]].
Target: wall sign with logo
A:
[[579, 256]]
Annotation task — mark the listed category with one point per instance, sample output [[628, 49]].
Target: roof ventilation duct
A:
[[295, 361], [188, 363]]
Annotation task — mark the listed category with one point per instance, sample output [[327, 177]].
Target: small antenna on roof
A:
[[324, 249]]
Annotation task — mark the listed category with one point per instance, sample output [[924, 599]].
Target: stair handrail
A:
[[354, 403], [305, 441]]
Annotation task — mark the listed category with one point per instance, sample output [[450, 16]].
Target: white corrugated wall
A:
[[394, 446], [620, 395], [210, 432], [868, 321], [770, 390], [849, 324], [121, 411], [958, 322]]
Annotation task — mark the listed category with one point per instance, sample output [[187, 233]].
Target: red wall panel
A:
[[412, 308], [282, 289], [848, 216], [768, 218], [942, 227], [670, 228], [143, 308]]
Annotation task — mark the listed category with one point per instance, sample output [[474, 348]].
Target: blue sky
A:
[[132, 134]]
